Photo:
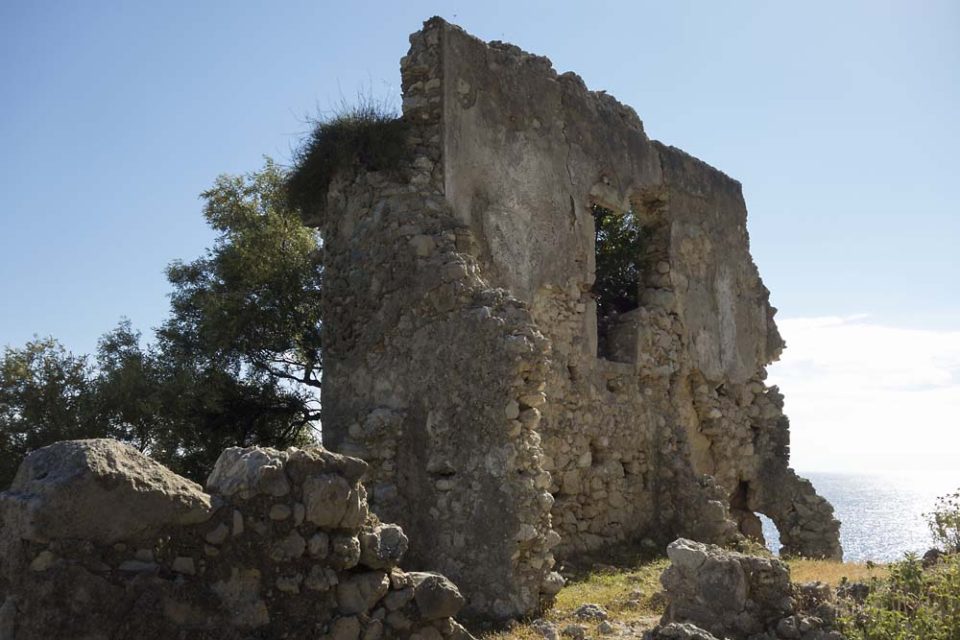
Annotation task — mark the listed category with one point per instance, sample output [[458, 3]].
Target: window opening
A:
[[618, 244]]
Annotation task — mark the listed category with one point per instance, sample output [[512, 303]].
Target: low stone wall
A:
[[714, 593], [98, 541]]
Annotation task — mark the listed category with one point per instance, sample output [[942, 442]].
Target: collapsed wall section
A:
[[99, 541], [462, 358]]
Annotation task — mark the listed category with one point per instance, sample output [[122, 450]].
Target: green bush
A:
[[912, 603], [619, 241], [369, 136], [944, 522], [236, 363], [915, 602]]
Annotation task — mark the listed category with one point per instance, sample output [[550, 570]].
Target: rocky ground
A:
[[604, 601]]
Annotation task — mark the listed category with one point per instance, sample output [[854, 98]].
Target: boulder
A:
[[314, 461], [345, 629], [250, 472], [544, 628], [99, 490], [383, 546], [332, 502], [724, 592], [436, 596], [574, 632], [715, 593], [687, 554], [679, 631], [590, 612], [931, 557], [552, 584], [362, 591]]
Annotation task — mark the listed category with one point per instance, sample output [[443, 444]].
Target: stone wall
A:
[[99, 541], [713, 593], [462, 357]]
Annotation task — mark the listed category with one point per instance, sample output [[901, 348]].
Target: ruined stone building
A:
[[507, 425]]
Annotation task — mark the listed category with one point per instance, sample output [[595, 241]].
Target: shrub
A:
[[370, 136], [913, 603], [944, 522]]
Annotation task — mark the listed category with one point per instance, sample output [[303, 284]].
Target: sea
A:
[[882, 514]]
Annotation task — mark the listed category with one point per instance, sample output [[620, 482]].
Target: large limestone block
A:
[[252, 471], [313, 461], [726, 593], [436, 596], [249, 472], [97, 490], [332, 502], [687, 554], [360, 592], [383, 546]]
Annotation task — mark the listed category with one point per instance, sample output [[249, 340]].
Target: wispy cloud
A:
[[865, 396]]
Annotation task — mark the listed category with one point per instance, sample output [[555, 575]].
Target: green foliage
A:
[[251, 306], [237, 363], [619, 241], [944, 522], [913, 603], [240, 354], [369, 136], [126, 388], [44, 397]]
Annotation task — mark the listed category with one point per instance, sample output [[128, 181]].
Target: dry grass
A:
[[614, 589], [832, 572], [630, 596]]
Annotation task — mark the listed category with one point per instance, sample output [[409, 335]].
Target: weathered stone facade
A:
[[462, 358], [98, 541]]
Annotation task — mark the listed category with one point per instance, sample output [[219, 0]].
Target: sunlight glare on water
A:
[[882, 514]]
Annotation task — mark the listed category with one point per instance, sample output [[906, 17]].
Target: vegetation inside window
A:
[[617, 285], [618, 246], [370, 136]]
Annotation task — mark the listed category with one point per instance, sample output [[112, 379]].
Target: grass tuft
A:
[[369, 135], [832, 572]]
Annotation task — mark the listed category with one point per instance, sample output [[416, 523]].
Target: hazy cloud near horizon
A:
[[868, 397]]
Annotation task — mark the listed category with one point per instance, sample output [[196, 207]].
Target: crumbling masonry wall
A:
[[461, 356], [98, 541]]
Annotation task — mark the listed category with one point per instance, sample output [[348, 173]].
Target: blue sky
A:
[[841, 119]]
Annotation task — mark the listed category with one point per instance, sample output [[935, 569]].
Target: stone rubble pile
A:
[[100, 542], [714, 593]]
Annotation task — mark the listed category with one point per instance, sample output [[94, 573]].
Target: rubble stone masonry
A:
[[462, 359]]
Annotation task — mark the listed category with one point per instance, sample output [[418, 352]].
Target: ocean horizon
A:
[[882, 514]]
